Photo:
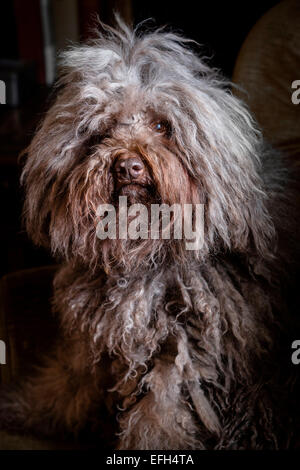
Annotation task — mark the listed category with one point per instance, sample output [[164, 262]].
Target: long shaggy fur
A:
[[176, 349]]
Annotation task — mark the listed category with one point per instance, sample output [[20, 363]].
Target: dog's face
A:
[[145, 118], [142, 161]]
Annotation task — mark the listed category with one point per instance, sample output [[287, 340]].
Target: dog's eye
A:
[[91, 144], [95, 140], [161, 127]]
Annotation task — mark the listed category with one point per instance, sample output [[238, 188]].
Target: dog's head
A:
[[142, 116]]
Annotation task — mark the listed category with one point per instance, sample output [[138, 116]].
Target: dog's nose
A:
[[129, 167]]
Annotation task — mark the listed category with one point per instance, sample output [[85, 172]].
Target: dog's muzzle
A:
[[130, 170]]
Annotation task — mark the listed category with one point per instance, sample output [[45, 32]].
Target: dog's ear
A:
[[58, 195], [51, 159], [224, 149], [237, 192], [81, 111], [46, 161]]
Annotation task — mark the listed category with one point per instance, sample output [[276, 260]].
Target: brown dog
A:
[[180, 346]]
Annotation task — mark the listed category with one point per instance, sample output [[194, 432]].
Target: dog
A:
[[161, 347]]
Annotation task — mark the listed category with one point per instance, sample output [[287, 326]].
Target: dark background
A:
[[220, 27]]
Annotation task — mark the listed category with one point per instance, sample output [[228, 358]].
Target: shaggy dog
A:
[[161, 347]]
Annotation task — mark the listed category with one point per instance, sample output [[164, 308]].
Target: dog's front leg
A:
[[58, 398]]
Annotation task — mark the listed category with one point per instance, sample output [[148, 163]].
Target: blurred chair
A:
[[29, 330], [27, 325], [267, 65]]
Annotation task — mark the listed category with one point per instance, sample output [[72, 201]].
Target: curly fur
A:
[[180, 347]]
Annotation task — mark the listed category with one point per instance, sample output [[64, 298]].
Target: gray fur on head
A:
[[213, 137]]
